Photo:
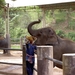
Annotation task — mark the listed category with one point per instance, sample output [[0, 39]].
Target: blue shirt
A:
[[30, 48]]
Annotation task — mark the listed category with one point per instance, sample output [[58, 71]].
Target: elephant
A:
[[47, 36], [4, 44]]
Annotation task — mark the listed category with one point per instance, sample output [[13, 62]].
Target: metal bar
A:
[[10, 63], [35, 69], [6, 73], [55, 60], [10, 49]]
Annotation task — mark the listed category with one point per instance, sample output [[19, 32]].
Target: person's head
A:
[[31, 39]]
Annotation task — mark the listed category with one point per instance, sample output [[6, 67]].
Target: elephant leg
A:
[[58, 65], [5, 51]]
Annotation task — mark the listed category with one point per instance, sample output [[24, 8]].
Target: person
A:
[[30, 50]]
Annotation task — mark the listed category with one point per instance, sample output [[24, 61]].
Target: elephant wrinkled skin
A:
[[47, 36]]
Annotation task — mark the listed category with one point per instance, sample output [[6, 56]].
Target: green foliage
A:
[[18, 32], [71, 35], [71, 24], [59, 21], [73, 14], [72, 21], [2, 4], [60, 16], [60, 33], [15, 46], [1, 26], [49, 17], [19, 18]]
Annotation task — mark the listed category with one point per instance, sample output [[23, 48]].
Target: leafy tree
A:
[[71, 35], [1, 26], [60, 33], [20, 18], [2, 7], [2, 4]]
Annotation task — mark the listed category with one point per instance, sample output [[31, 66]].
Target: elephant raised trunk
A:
[[30, 30]]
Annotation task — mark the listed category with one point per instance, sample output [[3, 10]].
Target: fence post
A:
[[44, 66], [21, 42], [69, 64], [24, 60]]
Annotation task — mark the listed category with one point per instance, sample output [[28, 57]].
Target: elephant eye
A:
[[40, 31], [38, 35], [49, 30]]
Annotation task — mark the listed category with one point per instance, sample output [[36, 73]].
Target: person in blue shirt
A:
[[30, 51]]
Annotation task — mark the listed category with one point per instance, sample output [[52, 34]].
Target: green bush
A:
[[60, 33], [71, 35], [59, 21], [72, 24]]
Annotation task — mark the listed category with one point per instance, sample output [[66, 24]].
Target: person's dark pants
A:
[[29, 67]]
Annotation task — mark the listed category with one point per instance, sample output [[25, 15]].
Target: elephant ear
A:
[[52, 40], [52, 37], [39, 34], [52, 33]]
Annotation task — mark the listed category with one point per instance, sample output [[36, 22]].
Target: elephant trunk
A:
[[30, 30]]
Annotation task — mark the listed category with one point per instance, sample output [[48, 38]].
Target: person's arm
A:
[[35, 51], [29, 55]]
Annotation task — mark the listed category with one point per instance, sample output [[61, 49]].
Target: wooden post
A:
[[7, 19], [44, 66], [24, 60], [7, 27], [21, 42], [9, 42], [44, 20], [69, 64]]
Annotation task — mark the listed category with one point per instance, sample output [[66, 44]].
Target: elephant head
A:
[[44, 35]]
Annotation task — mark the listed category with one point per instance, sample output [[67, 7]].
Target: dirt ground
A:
[[16, 57]]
